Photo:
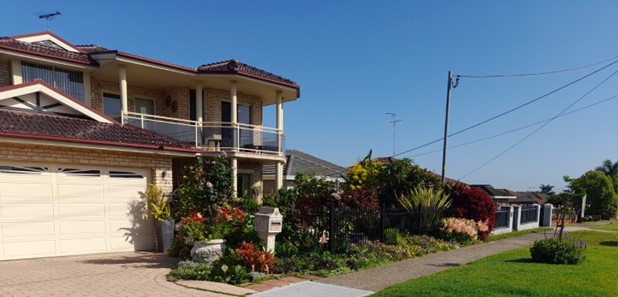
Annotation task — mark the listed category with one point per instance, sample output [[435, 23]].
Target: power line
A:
[[508, 111], [516, 129], [537, 73], [539, 128]]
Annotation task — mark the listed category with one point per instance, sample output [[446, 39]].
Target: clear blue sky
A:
[[358, 60]]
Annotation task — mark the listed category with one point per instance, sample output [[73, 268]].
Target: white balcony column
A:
[[199, 102], [278, 175], [279, 121], [235, 176], [234, 113], [279, 165], [124, 100]]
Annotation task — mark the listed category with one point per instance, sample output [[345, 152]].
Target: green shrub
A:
[[554, 251], [230, 269], [189, 270]]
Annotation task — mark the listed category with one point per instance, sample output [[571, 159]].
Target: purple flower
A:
[[209, 185]]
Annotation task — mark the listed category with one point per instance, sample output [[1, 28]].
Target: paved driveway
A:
[[116, 275]]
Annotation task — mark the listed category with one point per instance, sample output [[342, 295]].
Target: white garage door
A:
[[53, 210]]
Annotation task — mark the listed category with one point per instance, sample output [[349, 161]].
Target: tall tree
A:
[[547, 189], [610, 169], [602, 197]]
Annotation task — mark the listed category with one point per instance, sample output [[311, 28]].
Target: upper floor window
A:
[[68, 81], [112, 106]]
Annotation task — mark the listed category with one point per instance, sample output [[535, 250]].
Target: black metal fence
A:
[[344, 226], [529, 214], [502, 218]]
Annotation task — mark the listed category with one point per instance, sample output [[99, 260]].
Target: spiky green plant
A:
[[430, 204]]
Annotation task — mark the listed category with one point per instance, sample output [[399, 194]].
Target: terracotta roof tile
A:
[[51, 126], [46, 51], [233, 66]]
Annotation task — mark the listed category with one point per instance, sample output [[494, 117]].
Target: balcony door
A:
[[244, 117]]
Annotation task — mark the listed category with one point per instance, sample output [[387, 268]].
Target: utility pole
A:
[[394, 121], [449, 85]]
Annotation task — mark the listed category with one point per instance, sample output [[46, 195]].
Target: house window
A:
[[70, 82], [145, 106], [112, 106], [245, 182]]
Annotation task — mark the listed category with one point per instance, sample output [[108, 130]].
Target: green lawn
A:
[[519, 233], [612, 227], [513, 274]]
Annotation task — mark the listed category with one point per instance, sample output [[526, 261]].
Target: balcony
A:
[[212, 136]]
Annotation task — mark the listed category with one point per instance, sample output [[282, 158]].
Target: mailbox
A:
[[268, 223], [268, 220]]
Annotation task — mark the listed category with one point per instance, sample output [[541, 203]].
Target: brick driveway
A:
[[116, 275]]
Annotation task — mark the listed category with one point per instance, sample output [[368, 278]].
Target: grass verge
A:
[[611, 227], [514, 274]]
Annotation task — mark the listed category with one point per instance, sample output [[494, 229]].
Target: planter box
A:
[[165, 233]]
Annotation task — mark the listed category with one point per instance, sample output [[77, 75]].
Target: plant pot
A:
[[165, 233], [207, 251]]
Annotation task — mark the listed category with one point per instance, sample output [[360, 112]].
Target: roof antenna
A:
[[48, 16]]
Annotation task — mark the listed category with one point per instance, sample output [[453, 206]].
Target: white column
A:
[[199, 101], [235, 176], [279, 165], [16, 71], [122, 76], [234, 113], [278, 176]]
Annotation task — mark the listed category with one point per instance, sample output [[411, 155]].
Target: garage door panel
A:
[[27, 229], [80, 192], [67, 210], [26, 210], [82, 245], [21, 191], [23, 249], [75, 210], [124, 193], [82, 227]]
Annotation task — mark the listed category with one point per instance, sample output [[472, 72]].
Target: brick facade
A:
[[35, 153], [180, 95], [5, 74], [212, 105]]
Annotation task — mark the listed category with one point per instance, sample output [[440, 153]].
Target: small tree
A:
[[206, 186], [473, 204]]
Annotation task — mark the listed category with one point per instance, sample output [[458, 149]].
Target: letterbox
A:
[[268, 220]]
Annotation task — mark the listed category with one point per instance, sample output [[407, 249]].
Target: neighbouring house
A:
[[501, 197], [300, 162], [84, 129], [529, 198]]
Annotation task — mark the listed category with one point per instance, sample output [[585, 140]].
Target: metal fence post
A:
[[382, 219], [332, 237]]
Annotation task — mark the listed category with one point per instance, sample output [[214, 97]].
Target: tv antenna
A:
[[394, 121], [48, 16]]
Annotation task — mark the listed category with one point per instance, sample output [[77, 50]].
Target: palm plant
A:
[[610, 169], [429, 203]]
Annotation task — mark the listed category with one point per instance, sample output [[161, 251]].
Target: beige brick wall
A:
[[35, 153], [5, 74], [212, 105], [180, 95]]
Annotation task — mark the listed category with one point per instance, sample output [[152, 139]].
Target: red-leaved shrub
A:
[[473, 204]]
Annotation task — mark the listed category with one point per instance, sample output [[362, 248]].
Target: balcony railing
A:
[[212, 136]]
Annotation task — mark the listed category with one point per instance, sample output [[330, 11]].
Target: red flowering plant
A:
[[196, 227]]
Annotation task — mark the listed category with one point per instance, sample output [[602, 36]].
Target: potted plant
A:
[[159, 207], [207, 234]]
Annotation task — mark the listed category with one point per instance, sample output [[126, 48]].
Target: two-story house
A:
[[83, 129]]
